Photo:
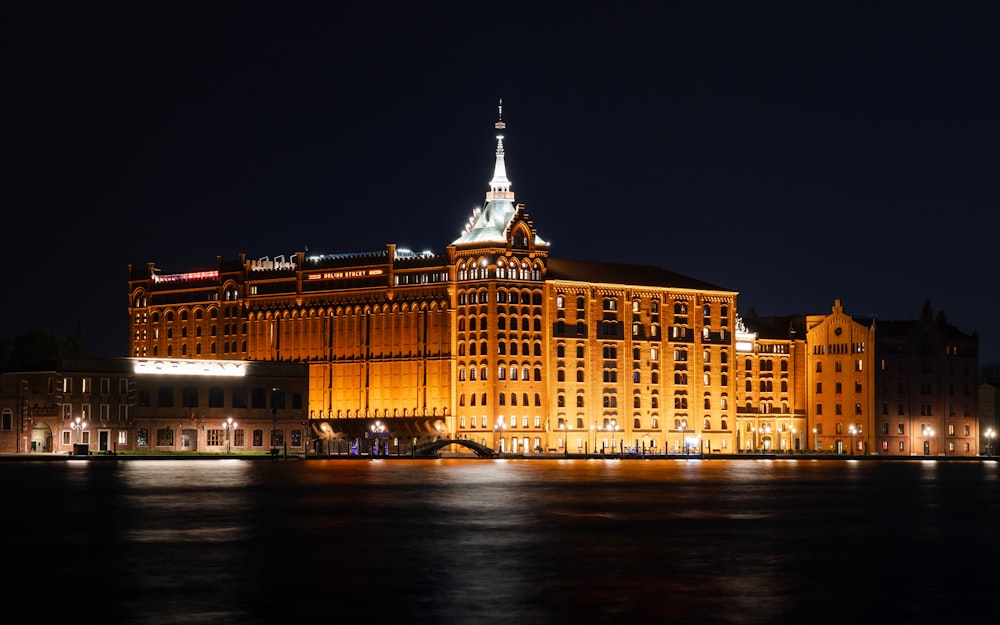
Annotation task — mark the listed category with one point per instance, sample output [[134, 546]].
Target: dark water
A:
[[502, 541]]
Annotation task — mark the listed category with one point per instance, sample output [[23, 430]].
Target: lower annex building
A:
[[498, 342], [110, 405]]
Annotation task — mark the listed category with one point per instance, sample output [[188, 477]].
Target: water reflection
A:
[[510, 541]]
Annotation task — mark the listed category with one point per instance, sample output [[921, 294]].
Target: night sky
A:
[[797, 157]]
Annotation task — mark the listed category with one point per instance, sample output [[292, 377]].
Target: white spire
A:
[[500, 185]]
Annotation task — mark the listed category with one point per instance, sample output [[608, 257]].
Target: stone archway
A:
[[41, 439]]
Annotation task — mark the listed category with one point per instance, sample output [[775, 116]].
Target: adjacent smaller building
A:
[[926, 395], [107, 405]]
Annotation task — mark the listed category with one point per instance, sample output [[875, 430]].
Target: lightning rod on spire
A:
[[500, 125]]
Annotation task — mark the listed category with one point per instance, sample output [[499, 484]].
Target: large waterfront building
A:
[[494, 340], [498, 342]]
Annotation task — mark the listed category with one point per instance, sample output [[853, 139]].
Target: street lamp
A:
[[593, 436], [613, 426], [990, 435], [498, 429], [78, 425], [854, 432], [928, 433], [377, 429], [815, 440], [229, 425]]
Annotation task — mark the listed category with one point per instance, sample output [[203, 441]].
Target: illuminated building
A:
[[493, 341], [771, 397], [497, 342], [840, 376], [844, 386], [128, 404]]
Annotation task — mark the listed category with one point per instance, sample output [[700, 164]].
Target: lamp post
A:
[[990, 435], [613, 426], [229, 425], [498, 436], [593, 436], [928, 432], [377, 429], [815, 440], [78, 425], [854, 432]]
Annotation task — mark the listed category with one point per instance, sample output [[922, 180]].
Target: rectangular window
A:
[[216, 397], [165, 397], [215, 438], [164, 437], [258, 398], [239, 398]]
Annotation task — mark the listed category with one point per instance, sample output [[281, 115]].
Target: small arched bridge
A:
[[431, 449]]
